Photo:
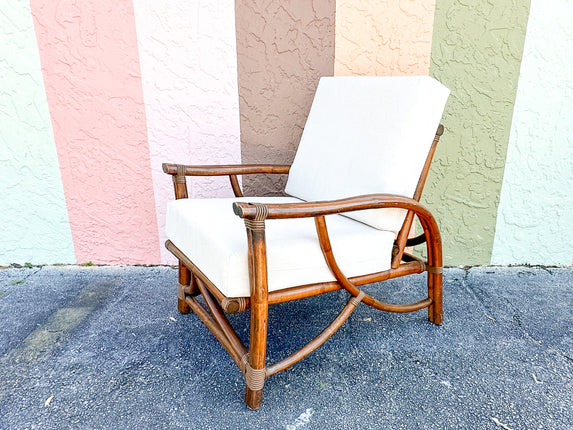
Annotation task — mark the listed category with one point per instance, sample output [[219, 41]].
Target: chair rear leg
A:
[[435, 310], [183, 285]]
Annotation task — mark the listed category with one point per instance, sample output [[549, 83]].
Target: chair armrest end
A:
[[237, 209]]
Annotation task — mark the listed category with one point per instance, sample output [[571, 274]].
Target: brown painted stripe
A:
[[283, 48]]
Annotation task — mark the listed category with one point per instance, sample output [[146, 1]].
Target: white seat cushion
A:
[[214, 239], [367, 135]]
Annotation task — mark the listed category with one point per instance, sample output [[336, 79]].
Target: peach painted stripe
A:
[[91, 72], [383, 37], [189, 69]]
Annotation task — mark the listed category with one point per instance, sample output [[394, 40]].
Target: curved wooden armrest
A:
[[226, 169], [313, 209], [255, 213]]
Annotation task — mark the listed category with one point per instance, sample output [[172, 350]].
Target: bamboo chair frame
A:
[[251, 360]]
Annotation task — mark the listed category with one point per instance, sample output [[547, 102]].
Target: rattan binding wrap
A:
[[258, 222], [255, 378], [179, 178]]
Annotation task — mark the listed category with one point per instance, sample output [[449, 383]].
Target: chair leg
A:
[[255, 365], [253, 398], [255, 371], [435, 310], [184, 281]]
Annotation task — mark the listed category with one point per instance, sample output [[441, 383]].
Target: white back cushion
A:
[[366, 135]]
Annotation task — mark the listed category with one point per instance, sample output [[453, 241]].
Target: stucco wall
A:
[[283, 48], [383, 37], [536, 206], [189, 73], [91, 71], [34, 223], [94, 95], [476, 52]]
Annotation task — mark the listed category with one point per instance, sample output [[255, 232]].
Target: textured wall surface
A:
[[476, 52], [384, 38], [106, 91], [33, 220], [283, 48], [534, 223], [91, 72], [189, 71]]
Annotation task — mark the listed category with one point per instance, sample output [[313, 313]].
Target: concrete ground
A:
[[105, 348]]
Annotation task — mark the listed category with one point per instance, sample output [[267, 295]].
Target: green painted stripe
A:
[[536, 206], [476, 52], [34, 220]]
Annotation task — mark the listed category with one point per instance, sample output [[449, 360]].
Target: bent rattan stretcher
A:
[[336, 136]]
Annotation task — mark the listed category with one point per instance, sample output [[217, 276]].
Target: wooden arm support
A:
[[180, 171], [313, 209], [250, 211], [227, 169], [258, 213]]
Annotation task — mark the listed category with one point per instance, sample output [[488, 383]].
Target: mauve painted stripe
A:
[[283, 50], [34, 223], [189, 71], [91, 73]]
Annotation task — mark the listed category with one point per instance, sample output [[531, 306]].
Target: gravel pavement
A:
[[105, 348]]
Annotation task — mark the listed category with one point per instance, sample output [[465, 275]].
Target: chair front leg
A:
[[254, 363], [434, 268], [435, 310]]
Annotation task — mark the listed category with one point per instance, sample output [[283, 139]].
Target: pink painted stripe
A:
[[91, 71], [189, 69]]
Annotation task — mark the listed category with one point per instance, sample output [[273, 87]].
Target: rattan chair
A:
[[353, 193]]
